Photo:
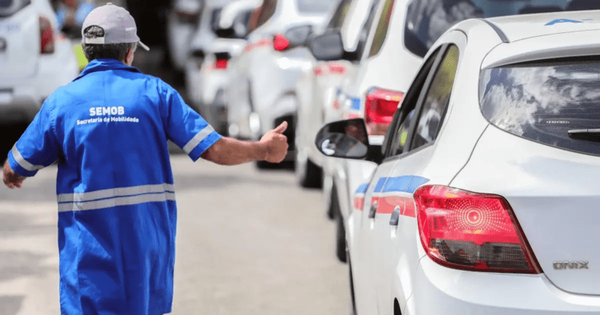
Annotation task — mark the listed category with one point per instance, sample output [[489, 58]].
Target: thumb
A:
[[281, 128]]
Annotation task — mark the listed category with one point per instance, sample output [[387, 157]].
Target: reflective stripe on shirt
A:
[[122, 196], [197, 139], [22, 162]]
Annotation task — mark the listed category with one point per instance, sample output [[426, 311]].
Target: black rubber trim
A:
[[498, 31]]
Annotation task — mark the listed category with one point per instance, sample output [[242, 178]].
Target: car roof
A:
[[519, 27], [532, 37]]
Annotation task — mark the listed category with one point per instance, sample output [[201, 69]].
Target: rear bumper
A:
[[18, 105], [439, 290]]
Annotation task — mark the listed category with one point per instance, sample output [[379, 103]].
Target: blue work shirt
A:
[[108, 130]]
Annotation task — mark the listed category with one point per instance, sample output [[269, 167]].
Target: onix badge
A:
[[566, 265]]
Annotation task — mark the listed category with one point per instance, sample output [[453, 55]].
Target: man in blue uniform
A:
[[108, 132]]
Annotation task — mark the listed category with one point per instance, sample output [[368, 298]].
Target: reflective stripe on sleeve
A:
[[22, 162], [117, 201], [198, 138], [115, 192]]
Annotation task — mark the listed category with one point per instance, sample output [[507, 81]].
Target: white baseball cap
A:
[[114, 25]]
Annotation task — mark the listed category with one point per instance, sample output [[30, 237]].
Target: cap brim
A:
[[146, 48]]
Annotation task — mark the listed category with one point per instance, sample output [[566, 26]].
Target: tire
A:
[[308, 174], [351, 285], [340, 238], [333, 204]]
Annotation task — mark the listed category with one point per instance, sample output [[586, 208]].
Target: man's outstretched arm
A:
[[272, 147], [10, 178]]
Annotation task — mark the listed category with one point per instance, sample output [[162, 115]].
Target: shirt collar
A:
[[103, 65]]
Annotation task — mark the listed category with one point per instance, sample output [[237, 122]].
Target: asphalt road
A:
[[249, 242]]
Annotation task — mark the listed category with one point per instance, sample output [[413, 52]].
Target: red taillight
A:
[[186, 17], [465, 230], [221, 64], [280, 43], [46, 36], [380, 106]]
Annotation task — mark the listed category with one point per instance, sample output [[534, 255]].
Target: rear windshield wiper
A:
[[585, 134]]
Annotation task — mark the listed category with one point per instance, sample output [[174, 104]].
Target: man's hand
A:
[[10, 178], [276, 144]]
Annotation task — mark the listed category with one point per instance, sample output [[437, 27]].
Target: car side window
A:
[[382, 27], [398, 133], [436, 101], [262, 14], [340, 14]]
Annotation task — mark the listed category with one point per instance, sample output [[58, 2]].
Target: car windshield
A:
[[10, 7], [545, 101], [315, 6], [427, 20]]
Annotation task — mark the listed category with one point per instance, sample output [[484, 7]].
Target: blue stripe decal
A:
[[362, 188], [397, 183], [406, 183], [379, 186], [416, 183], [356, 103]]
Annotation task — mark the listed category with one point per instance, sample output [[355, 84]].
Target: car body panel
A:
[[550, 190], [263, 81], [28, 77]]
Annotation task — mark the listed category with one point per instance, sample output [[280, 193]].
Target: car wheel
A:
[[333, 204], [340, 238], [351, 284], [308, 174]]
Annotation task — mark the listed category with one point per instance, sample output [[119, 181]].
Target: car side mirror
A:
[[294, 37], [298, 35], [345, 139], [327, 46], [237, 28]]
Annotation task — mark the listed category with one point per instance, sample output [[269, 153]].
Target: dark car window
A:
[[399, 133], [364, 33], [337, 19], [382, 27], [10, 7], [543, 101], [262, 14], [315, 6], [436, 101], [427, 20]]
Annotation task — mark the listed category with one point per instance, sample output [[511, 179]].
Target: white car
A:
[[261, 93], [404, 33], [316, 88], [485, 192], [207, 84], [182, 21], [385, 72], [201, 40], [34, 58]]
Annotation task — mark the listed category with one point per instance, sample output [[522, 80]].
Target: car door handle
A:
[[373, 210], [395, 216]]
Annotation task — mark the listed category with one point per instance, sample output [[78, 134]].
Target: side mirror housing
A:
[[294, 37], [298, 35], [327, 46], [344, 139]]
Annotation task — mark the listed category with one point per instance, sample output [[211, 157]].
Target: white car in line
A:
[[207, 84], [261, 93], [404, 33], [182, 21], [316, 88], [484, 196], [34, 58]]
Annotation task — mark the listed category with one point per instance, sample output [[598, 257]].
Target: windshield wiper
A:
[[585, 134]]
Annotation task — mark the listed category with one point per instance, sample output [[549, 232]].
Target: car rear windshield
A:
[[556, 103], [427, 20], [315, 6], [10, 7]]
